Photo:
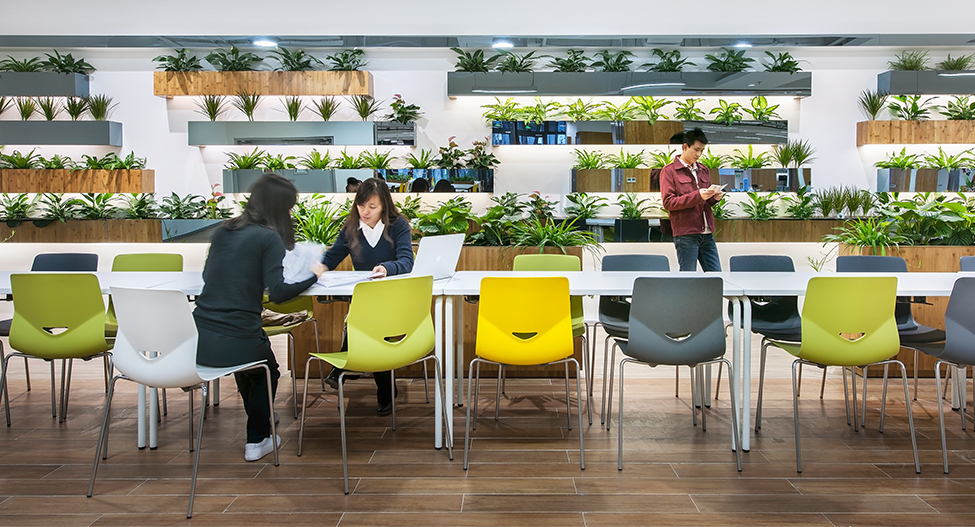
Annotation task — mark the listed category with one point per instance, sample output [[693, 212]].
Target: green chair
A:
[[848, 322], [389, 327], [56, 317], [561, 262], [298, 304]]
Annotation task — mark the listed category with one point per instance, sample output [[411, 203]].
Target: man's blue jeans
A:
[[694, 248]]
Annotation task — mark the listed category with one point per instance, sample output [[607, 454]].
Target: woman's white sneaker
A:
[[255, 451]]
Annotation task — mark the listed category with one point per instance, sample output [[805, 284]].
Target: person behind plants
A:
[[420, 185], [351, 185], [377, 238], [687, 193], [245, 258], [444, 185]]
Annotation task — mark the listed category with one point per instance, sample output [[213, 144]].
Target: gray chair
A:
[[958, 349], [687, 332], [967, 263], [614, 311]]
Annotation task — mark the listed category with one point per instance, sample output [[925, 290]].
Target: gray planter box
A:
[[95, 133], [190, 231], [203, 133], [926, 82], [43, 84], [307, 181], [566, 132]]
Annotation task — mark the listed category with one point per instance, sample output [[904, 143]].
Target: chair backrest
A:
[[389, 323], [554, 262], [148, 262], [687, 330], [768, 308], [614, 310], [960, 323], [157, 337], [849, 321], [524, 321], [299, 303], [967, 263], [881, 264], [57, 316], [65, 262]]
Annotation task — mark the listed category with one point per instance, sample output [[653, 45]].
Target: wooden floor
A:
[[524, 468]]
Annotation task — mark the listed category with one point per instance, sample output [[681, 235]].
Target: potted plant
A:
[[110, 173], [949, 177], [630, 173], [658, 160], [582, 207], [479, 167], [897, 172], [749, 171], [631, 226], [590, 172]]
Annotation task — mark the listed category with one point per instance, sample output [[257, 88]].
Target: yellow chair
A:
[[297, 305], [524, 322]]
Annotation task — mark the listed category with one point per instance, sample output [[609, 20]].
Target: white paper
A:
[[340, 278], [717, 188], [298, 261]]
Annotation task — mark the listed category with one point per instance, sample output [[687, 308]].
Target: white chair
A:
[[156, 346]]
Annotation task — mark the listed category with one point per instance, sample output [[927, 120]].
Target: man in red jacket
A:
[[688, 195]]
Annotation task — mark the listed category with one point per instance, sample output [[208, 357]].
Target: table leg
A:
[[460, 351], [438, 406], [448, 355], [153, 419], [746, 377], [141, 419]]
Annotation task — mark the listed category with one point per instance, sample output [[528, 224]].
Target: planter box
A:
[[631, 230], [95, 133], [77, 181], [915, 132], [188, 231], [774, 231], [525, 133], [644, 133], [203, 133], [634, 132], [85, 231], [634, 179], [920, 179], [307, 181], [929, 82], [586, 180], [169, 84], [43, 84]]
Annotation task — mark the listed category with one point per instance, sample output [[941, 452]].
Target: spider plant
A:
[[872, 103], [574, 62], [609, 61], [632, 208], [783, 62], [761, 207], [948, 162], [294, 60], [801, 205], [727, 113], [188, 207], [59, 208], [910, 61], [626, 160], [713, 161], [422, 161], [100, 106], [26, 107], [97, 206], [50, 107], [876, 233], [508, 110], [233, 60], [514, 63], [347, 60], [16, 160], [534, 232], [911, 108], [729, 60], [901, 160], [315, 160], [538, 112], [761, 111], [802, 152], [586, 160], [584, 206], [181, 61], [581, 110], [21, 66], [365, 106], [348, 161], [622, 112], [750, 160], [212, 106], [661, 158], [782, 154], [140, 206], [650, 107], [5, 104], [75, 107], [959, 109], [688, 110], [401, 112], [293, 106], [326, 107], [375, 160], [668, 61], [251, 161], [59, 63], [963, 62], [246, 103], [57, 162], [474, 61], [16, 206]]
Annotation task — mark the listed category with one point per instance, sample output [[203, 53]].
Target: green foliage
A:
[[901, 160], [959, 109], [911, 108], [181, 61], [783, 62], [874, 233], [728, 60], [326, 107], [625, 111], [16, 160], [100, 106], [537, 233], [650, 107], [858, 202], [474, 61], [496, 226], [668, 61], [782, 154], [347, 60], [317, 220], [16, 206], [315, 160], [73, 106], [295, 60], [212, 106], [750, 160], [59, 208], [478, 158], [375, 160], [450, 156], [249, 161], [661, 158], [348, 161], [509, 110], [57, 162], [688, 111], [632, 208], [247, 103], [410, 207], [97, 206], [26, 107], [589, 160], [422, 161], [761, 207], [713, 161], [963, 62], [539, 207], [401, 112], [721, 209], [727, 113], [59, 63], [910, 61], [932, 219], [872, 103], [233, 60], [584, 206], [626, 160], [574, 62], [113, 162], [365, 106], [452, 217], [275, 163], [581, 110], [293, 106], [538, 112], [802, 152], [140, 207], [948, 162], [761, 111], [829, 201], [189, 207], [30, 65], [5, 104], [514, 63], [609, 61]]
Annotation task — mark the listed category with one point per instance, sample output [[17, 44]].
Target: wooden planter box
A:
[[592, 180], [84, 231], [774, 231], [170, 84], [915, 132], [77, 181], [658, 133]]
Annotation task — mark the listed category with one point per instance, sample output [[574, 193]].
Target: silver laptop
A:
[[438, 255]]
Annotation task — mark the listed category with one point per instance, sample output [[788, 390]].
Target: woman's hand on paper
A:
[[318, 268], [378, 272]]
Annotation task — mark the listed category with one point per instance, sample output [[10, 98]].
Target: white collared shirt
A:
[[372, 234]]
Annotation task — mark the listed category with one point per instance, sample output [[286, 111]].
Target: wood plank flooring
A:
[[524, 468]]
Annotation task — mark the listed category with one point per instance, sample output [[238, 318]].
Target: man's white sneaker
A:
[[255, 451]]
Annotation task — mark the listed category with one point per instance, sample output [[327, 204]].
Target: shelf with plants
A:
[[236, 72], [41, 123], [54, 76], [508, 73], [924, 172], [910, 74], [32, 173]]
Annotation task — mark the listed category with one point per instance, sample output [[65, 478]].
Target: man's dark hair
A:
[[677, 139], [695, 136]]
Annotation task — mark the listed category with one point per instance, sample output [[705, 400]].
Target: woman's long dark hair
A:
[[270, 203], [367, 189]]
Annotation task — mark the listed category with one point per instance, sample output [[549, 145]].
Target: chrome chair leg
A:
[[196, 456], [497, 396], [477, 391], [304, 399], [101, 447], [883, 399], [568, 408], [607, 371], [426, 383], [26, 368], [609, 393], [761, 387], [4, 393], [910, 415], [795, 412], [822, 386], [941, 415], [619, 417], [846, 396], [471, 401]]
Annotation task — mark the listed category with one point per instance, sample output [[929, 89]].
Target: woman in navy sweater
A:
[[377, 238]]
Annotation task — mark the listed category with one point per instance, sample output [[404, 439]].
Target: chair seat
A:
[[787, 336], [338, 360], [281, 330], [209, 373], [921, 334], [621, 331], [689, 360]]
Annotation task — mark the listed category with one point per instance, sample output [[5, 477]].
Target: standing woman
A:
[[377, 238], [245, 259]]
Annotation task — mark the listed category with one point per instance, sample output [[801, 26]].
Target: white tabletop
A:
[[580, 282], [783, 284]]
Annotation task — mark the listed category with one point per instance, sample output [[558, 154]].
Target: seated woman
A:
[[444, 185], [377, 238], [420, 185]]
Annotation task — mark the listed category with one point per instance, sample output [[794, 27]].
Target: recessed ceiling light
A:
[[264, 42], [502, 44], [743, 45]]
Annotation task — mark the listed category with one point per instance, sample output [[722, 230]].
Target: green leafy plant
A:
[[140, 206], [609, 61], [212, 106], [538, 113], [315, 160], [783, 62], [317, 220], [100, 106], [129, 162], [574, 62], [452, 217], [667, 61], [496, 226], [626, 160], [450, 156], [347, 161], [537, 233], [959, 109], [422, 161], [872, 103], [713, 161], [189, 207], [213, 208], [580, 110], [857, 202], [661, 158], [584, 206], [760, 110], [761, 207], [948, 162], [375, 160], [514, 63], [13, 65], [874, 233], [750, 160], [963, 62], [802, 152], [650, 107], [97, 206], [59, 63], [410, 207], [74, 107], [347, 60], [688, 111], [829, 201], [59, 208], [16, 160], [509, 110], [326, 107], [57, 162], [625, 111], [589, 160], [728, 60], [631, 207], [279, 162], [365, 106], [247, 103], [899, 160], [540, 208], [474, 61], [910, 61], [233, 60], [727, 113], [26, 107], [15, 207], [782, 154], [251, 161], [294, 60], [5, 104], [401, 112], [931, 219], [478, 158], [293, 106], [181, 61], [911, 108], [721, 209]]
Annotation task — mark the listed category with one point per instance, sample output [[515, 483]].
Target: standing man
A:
[[688, 196]]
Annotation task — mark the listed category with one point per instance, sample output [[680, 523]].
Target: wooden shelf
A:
[[170, 84], [915, 132], [76, 181]]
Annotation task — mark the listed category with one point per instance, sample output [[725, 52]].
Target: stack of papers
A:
[[341, 278], [298, 261]]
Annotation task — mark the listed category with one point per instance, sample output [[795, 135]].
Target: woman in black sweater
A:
[[377, 238], [245, 259]]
